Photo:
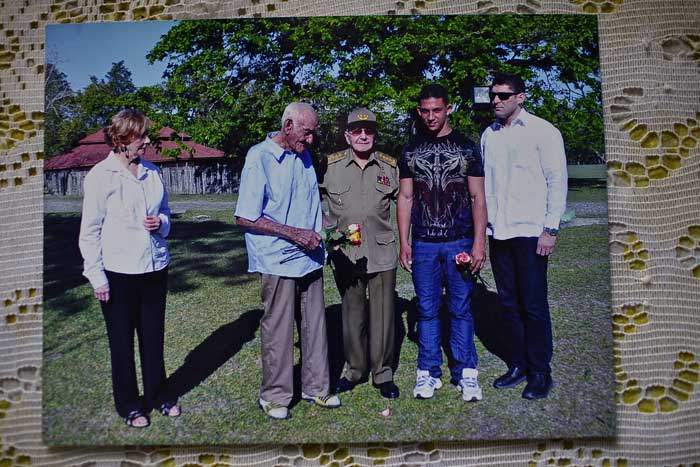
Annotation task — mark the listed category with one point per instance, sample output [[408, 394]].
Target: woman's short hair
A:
[[127, 125]]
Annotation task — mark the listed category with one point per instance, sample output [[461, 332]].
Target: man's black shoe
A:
[[511, 378], [344, 385], [388, 390], [538, 386]]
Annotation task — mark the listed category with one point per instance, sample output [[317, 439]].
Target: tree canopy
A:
[[230, 79], [227, 81], [57, 110], [72, 115]]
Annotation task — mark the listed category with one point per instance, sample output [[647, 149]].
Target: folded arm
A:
[[305, 238]]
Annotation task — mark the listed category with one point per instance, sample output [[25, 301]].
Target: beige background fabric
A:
[[651, 91]]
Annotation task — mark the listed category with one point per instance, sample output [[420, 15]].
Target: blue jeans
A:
[[434, 267]]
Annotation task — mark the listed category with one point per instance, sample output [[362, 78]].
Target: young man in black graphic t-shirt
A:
[[441, 200]]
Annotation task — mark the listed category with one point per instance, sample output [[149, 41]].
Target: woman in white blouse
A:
[[123, 227]]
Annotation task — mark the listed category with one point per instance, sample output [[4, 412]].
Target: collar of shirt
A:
[[275, 149], [350, 158], [522, 118], [278, 152], [114, 165]]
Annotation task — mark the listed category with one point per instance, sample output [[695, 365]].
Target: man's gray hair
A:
[[295, 110]]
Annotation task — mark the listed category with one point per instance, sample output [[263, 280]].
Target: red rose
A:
[[463, 259]]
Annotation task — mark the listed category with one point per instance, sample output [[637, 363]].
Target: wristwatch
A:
[[552, 232]]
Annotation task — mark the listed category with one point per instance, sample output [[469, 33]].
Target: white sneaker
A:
[[330, 401], [425, 385], [274, 410], [469, 385]]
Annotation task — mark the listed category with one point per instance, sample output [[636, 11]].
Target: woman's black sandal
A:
[[166, 407], [133, 415]]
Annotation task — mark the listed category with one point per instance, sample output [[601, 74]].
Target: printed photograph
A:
[[325, 230]]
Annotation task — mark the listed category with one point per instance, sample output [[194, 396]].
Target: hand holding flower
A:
[[354, 234], [478, 255], [469, 265], [463, 261], [333, 238]]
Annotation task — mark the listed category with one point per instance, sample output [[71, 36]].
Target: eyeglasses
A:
[[358, 131], [503, 96]]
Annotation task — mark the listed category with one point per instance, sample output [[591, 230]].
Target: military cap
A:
[[361, 117]]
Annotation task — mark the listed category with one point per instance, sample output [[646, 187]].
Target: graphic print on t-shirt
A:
[[441, 201]]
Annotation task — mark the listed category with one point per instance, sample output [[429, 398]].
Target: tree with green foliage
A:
[[71, 116], [118, 79], [57, 109], [103, 98], [228, 80]]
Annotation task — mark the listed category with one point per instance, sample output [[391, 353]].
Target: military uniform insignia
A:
[[382, 179], [335, 157], [386, 159]]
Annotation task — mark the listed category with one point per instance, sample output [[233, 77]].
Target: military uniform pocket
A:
[[338, 197], [384, 195], [385, 248]]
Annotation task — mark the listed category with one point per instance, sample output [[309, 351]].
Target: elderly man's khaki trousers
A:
[[281, 296]]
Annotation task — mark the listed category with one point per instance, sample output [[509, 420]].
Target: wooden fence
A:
[[195, 179], [180, 178]]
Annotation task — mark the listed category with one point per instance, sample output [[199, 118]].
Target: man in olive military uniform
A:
[[358, 187]]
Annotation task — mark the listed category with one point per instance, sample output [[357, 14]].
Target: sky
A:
[[82, 50]]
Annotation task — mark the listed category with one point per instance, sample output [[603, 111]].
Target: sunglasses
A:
[[503, 96], [358, 131]]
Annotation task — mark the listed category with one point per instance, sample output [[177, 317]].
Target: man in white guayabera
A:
[[526, 183]]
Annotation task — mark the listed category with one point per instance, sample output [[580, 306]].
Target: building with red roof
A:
[[200, 169]]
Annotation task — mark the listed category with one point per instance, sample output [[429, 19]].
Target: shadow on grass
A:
[[211, 249], [334, 329], [489, 322], [575, 183], [488, 327], [63, 264], [214, 351], [410, 331], [336, 356], [487, 314]]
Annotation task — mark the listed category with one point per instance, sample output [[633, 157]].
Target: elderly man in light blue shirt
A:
[[525, 184], [280, 208]]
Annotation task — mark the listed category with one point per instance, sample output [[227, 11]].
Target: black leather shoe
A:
[[511, 378], [388, 390], [538, 386], [344, 385]]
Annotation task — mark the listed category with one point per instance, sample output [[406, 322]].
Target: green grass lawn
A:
[[579, 190], [231, 197], [586, 191], [212, 353]]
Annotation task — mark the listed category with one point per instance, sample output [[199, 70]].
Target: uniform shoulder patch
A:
[[386, 158], [336, 156]]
